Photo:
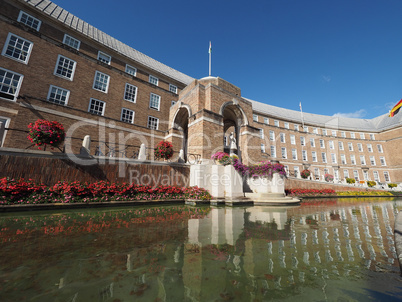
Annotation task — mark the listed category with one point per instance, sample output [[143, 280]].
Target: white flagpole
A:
[[301, 114], [210, 51]]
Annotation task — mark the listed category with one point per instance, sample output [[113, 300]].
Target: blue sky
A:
[[335, 57]]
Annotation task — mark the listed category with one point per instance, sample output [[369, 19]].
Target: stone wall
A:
[[293, 183]]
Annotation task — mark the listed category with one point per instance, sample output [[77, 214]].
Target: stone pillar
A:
[[142, 155]]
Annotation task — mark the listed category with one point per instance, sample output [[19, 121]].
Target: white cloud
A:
[[357, 114], [326, 78]]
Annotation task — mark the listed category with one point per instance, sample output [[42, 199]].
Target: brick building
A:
[[55, 66]]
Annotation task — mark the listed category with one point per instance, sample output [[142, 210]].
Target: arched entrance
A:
[[180, 123]]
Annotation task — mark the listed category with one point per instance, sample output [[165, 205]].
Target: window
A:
[[294, 154], [324, 157], [362, 160], [352, 134], [312, 142], [356, 174], [104, 58], [130, 93], [379, 147], [369, 148], [131, 70], [287, 170], [101, 82], [266, 120], [173, 103], [296, 127], [28, 20], [386, 176], [17, 48], [359, 147], [273, 151], [333, 132], [340, 144], [365, 175], [287, 125], [305, 129], [10, 84], [153, 123], [315, 130], [276, 123], [362, 136], [322, 145], [343, 134], [262, 148], [376, 178], [326, 171], [284, 154], [127, 115], [154, 101], [282, 136], [172, 88], [96, 107], [292, 139], [314, 156], [324, 131], [304, 155], [350, 146], [4, 123], [382, 161], [352, 160], [302, 140], [153, 80], [343, 159], [331, 145], [316, 173], [58, 95], [346, 173], [372, 160], [65, 68], [333, 158], [262, 133], [372, 137], [255, 117], [72, 42], [296, 171], [271, 135]]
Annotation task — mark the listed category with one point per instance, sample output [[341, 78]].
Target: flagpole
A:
[[210, 51], [301, 114]]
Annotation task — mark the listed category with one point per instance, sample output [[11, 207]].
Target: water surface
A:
[[337, 250]]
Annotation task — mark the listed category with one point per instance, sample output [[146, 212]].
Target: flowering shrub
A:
[[391, 185], [328, 177], [221, 157], [310, 192], [305, 173], [27, 192], [164, 150], [371, 183], [364, 193], [264, 168], [350, 180], [45, 132]]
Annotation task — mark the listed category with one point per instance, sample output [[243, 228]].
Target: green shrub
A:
[[350, 180], [371, 183], [392, 185]]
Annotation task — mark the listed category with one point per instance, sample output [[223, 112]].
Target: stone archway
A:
[[180, 123]]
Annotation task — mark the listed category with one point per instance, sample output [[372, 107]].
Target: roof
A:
[[75, 23], [380, 123]]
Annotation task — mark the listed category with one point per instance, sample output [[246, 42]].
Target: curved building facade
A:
[[56, 66]]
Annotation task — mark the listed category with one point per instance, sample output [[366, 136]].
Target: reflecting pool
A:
[[332, 250]]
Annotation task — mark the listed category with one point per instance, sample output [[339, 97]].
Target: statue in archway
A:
[[233, 145]]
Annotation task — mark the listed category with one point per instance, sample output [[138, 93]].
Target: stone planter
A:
[[267, 184]]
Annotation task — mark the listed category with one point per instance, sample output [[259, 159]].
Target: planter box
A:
[[267, 184]]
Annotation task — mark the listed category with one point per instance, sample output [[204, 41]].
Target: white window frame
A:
[[255, 118], [324, 157], [262, 148], [370, 148], [331, 145], [27, 53], [296, 171], [372, 160], [312, 142], [350, 146], [173, 88], [16, 89], [343, 159], [273, 151], [282, 137], [302, 140], [276, 123], [72, 70], [380, 149], [292, 139], [352, 159], [315, 130], [104, 57], [3, 131], [128, 93], [314, 156], [96, 100], [127, 111], [340, 145], [101, 83], [294, 154], [322, 144], [359, 147], [152, 97], [266, 120], [131, 70], [362, 136], [68, 38], [376, 176], [372, 136], [356, 175], [271, 135], [155, 119], [333, 158], [284, 154], [305, 129], [153, 80], [261, 133], [286, 124], [58, 88], [304, 155], [343, 134], [362, 160], [29, 23], [386, 176], [382, 161], [333, 132], [296, 127], [346, 173], [324, 132], [352, 135]]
